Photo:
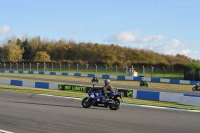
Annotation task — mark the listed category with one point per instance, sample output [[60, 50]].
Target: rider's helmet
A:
[[95, 78], [106, 81]]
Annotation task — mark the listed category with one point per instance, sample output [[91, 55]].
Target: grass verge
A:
[[82, 95]]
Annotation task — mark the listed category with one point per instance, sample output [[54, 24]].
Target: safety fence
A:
[[147, 71]]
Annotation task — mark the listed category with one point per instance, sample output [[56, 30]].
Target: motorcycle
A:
[[144, 83], [96, 98], [196, 87]]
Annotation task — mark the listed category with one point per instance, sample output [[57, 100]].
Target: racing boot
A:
[[104, 99]]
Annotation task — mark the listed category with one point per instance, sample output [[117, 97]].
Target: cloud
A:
[[5, 29], [173, 47], [77, 31], [152, 38], [132, 37], [123, 37], [190, 53]]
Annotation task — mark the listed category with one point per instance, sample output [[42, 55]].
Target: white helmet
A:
[[107, 81]]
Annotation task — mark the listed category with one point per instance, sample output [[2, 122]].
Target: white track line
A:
[[3, 131]]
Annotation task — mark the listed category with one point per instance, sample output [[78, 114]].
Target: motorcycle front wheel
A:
[[193, 89], [116, 105], [86, 103]]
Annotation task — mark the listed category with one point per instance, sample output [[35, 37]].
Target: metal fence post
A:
[[193, 73], [37, 66], [116, 68], [44, 67], [143, 70], [87, 67], [17, 66], [96, 67], [10, 66], [151, 71], [163, 71], [4, 66], [68, 67]]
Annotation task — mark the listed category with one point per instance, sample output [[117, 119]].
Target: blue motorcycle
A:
[[96, 98]]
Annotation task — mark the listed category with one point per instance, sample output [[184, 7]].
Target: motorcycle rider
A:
[[198, 84], [94, 80], [142, 81], [107, 87]]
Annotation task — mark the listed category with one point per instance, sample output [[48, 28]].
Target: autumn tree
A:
[[33, 46], [36, 49], [27, 50], [19, 42], [42, 56], [50, 48], [13, 52], [2, 54]]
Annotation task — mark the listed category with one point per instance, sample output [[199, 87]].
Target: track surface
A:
[[24, 113], [27, 113]]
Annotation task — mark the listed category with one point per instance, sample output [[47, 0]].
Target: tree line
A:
[[36, 49]]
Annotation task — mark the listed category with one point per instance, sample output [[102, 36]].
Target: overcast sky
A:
[[164, 26]]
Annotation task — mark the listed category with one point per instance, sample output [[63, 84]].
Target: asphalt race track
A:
[[28, 113]]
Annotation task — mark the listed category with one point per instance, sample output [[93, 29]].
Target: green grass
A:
[[82, 95]]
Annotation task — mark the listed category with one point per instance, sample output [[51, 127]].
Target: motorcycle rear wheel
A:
[[116, 105], [86, 104]]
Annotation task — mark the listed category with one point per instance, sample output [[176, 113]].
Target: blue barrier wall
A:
[[16, 82], [148, 95], [41, 85]]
